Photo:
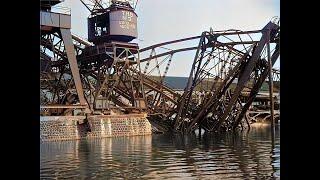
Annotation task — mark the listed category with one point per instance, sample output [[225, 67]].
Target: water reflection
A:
[[245, 155]]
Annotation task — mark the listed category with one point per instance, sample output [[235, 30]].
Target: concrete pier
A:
[[57, 128]]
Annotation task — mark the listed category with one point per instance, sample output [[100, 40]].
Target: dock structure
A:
[[108, 76]]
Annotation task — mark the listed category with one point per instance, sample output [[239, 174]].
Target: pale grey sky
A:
[[165, 20]]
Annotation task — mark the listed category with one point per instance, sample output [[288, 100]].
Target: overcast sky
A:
[[165, 20]]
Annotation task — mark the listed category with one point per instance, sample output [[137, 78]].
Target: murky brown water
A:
[[252, 155]]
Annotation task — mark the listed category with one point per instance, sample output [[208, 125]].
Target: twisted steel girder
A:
[[222, 58]]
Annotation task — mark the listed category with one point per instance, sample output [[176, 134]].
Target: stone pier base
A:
[[56, 128]]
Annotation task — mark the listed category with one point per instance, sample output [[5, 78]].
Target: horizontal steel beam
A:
[[196, 37]]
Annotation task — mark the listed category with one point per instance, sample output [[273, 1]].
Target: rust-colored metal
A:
[[223, 106], [60, 87], [118, 76]]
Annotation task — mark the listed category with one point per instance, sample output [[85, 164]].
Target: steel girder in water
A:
[[221, 59], [222, 105]]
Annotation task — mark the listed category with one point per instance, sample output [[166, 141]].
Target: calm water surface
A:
[[247, 155]]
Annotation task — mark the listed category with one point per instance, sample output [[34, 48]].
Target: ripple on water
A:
[[249, 156]]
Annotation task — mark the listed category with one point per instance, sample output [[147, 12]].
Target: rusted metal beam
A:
[[248, 69], [212, 103], [183, 105], [254, 91], [218, 33], [69, 47], [270, 85]]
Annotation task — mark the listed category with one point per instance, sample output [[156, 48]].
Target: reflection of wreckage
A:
[[110, 74]]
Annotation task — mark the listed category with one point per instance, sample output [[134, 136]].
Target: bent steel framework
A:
[[118, 76]]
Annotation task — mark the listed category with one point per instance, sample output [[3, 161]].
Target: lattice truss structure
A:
[[226, 65], [56, 81], [111, 77], [121, 76], [107, 76]]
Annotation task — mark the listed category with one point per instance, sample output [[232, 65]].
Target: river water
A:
[[246, 155]]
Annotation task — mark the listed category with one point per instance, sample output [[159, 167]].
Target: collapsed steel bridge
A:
[[220, 59], [122, 78]]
